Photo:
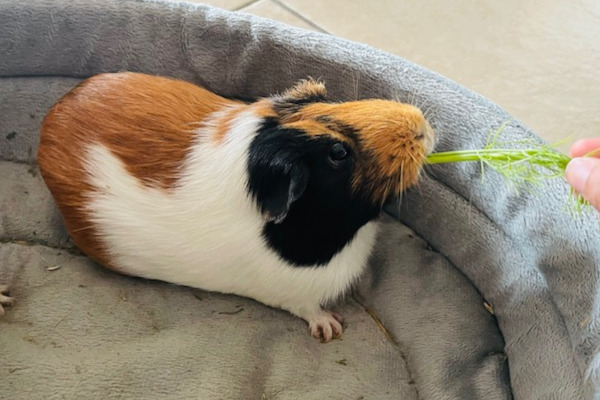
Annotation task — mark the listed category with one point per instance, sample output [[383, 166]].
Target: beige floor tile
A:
[[226, 4], [538, 59], [273, 10]]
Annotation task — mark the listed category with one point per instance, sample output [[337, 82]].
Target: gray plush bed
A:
[[419, 324]]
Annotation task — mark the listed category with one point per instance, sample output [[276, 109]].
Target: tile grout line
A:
[[247, 4], [298, 15]]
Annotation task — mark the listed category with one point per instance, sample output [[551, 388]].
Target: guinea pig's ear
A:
[[278, 175], [280, 189], [304, 92], [307, 90]]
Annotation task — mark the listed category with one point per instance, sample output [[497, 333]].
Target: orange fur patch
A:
[[315, 128], [309, 90], [224, 124], [264, 109]]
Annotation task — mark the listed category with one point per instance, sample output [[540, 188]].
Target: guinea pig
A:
[[275, 200]]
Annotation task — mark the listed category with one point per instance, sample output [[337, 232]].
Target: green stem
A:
[[540, 156]]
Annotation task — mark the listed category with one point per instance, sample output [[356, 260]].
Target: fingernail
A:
[[577, 172]]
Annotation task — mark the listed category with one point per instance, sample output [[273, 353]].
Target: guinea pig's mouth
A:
[[386, 173], [427, 138], [380, 188]]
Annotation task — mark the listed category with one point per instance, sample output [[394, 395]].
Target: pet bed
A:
[[472, 292]]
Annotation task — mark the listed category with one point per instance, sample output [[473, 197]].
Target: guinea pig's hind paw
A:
[[5, 300], [326, 326]]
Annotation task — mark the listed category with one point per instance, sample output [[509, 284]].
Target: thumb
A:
[[583, 174]]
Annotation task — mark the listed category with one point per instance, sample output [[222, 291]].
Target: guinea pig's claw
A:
[[326, 326], [5, 300]]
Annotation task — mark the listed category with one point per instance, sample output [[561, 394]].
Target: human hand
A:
[[583, 174]]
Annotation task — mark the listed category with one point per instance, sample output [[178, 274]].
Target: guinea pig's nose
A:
[[423, 131], [426, 135]]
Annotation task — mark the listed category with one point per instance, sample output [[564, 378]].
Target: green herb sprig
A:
[[523, 168]]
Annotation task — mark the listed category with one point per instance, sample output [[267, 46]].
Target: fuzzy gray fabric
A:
[[416, 328]]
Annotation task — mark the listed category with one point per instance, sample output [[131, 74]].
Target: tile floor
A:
[[539, 59]]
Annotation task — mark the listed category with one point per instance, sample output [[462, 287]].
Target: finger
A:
[[583, 174], [584, 146]]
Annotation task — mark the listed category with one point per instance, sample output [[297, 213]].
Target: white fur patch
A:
[[206, 233]]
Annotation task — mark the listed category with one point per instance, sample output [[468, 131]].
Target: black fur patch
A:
[[291, 105], [325, 216], [338, 126]]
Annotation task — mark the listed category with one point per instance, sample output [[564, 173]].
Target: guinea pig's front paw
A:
[[326, 325], [5, 300]]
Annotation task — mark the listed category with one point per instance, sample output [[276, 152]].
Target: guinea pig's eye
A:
[[338, 153]]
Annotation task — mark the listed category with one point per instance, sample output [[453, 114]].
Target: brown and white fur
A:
[[276, 200]]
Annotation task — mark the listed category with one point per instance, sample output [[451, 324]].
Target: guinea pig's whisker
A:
[[418, 103], [401, 194], [83, 228], [389, 188], [401, 176], [423, 174], [422, 104], [427, 176], [433, 117], [413, 97], [413, 157], [430, 112]]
